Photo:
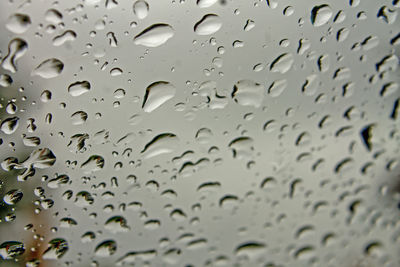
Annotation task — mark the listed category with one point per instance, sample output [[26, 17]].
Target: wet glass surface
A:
[[199, 133]]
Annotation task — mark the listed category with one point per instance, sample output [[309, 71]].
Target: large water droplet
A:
[[67, 36], [11, 249], [248, 93], [56, 249], [93, 163], [106, 248], [53, 16], [282, 64], [320, 15], [250, 249], [79, 88], [161, 144], [18, 23], [16, 49], [209, 24], [10, 125], [141, 9], [157, 94], [155, 35], [116, 224], [49, 68], [205, 3], [277, 88], [13, 197]]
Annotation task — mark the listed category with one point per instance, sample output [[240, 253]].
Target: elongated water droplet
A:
[[155, 35], [161, 144], [79, 88], [67, 36], [250, 249], [282, 64], [277, 88], [16, 49], [205, 3]]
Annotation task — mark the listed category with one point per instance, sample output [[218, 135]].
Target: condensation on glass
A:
[[199, 133]]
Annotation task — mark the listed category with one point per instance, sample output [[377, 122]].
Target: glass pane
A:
[[199, 133]]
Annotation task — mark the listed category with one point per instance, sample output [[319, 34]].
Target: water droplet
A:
[[18, 23], [49, 68], [88, 237], [342, 34], [11, 249], [387, 15], [116, 224], [205, 3], [116, 72], [242, 147], [56, 249], [250, 24], [311, 84], [10, 125], [282, 64], [53, 16], [250, 249], [79, 117], [79, 88], [31, 141], [248, 93], [93, 163], [161, 144], [12, 197], [277, 88], [106, 248], [141, 9], [209, 24], [16, 49], [157, 94], [83, 199], [5, 80], [131, 258], [58, 181], [155, 35], [320, 15], [304, 253], [65, 37], [178, 215]]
